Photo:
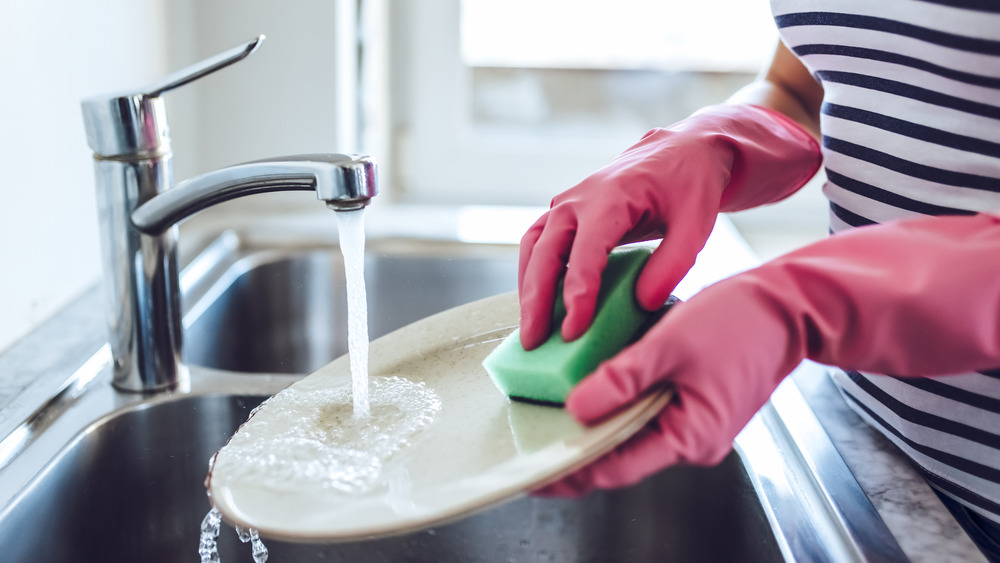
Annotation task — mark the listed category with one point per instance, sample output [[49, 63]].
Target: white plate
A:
[[481, 448]]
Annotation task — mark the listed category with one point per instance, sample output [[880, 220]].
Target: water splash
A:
[[243, 533], [350, 460], [352, 246], [259, 550], [208, 546], [251, 536], [307, 439]]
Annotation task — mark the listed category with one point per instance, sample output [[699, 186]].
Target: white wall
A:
[[52, 54], [296, 94], [284, 99]]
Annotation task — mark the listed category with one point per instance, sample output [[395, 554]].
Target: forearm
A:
[[909, 298], [787, 87]]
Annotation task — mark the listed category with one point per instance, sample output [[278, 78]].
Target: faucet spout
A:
[[344, 182], [138, 206]]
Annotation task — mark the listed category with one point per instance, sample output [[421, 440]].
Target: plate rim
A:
[[626, 422]]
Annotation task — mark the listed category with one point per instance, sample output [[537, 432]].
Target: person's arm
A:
[[671, 184], [787, 86], [914, 297]]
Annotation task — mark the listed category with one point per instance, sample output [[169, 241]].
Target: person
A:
[[900, 103]]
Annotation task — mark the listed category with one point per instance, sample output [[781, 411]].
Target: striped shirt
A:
[[911, 127]]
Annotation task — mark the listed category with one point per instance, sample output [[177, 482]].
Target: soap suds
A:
[[308, 440]]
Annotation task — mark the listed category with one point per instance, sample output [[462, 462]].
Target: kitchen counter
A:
[[36, 368], [916, 517]]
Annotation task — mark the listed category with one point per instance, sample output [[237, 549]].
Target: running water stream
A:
[[352, 246], [351, 225], [300, 444]]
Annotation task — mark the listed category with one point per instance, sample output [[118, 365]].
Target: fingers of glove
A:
[[639, 457], [535, 303], [688, 432], [544, 252], [671, 261], [587, 261], [620, 380], [528, 241], [660, 276], [570, 486]]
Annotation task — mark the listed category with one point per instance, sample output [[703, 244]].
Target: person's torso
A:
[[911, 127], [911, 114]]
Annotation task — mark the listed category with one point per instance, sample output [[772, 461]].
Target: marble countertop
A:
[[922, 525], [37, 366]]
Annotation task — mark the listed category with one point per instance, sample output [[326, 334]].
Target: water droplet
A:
[[259, 549], [208, 547]]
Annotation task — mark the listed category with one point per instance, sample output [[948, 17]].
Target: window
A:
[[513, 101], [625, 34]]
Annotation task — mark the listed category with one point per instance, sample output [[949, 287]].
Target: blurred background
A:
[[483, 102]]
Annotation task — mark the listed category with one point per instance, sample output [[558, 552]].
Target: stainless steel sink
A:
[[131, 490], [284, 310], [99, 475]]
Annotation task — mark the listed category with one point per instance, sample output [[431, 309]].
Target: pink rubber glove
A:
[[671, 184], [915, 297]]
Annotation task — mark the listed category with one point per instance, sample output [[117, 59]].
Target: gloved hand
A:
[[915, 297], [671, 184]]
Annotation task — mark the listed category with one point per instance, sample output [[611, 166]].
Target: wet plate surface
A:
[[442, 442]]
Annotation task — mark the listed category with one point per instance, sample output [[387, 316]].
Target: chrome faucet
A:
[[138, 212]]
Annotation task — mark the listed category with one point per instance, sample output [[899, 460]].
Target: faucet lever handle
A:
[[202, 68], [134, 124]]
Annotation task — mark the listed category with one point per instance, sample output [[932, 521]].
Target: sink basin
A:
[[285, 311], [99, 475], [131, 489]]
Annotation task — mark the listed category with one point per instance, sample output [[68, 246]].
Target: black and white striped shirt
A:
[[911, 127]]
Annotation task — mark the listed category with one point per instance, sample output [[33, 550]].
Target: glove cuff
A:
[[773, 156]]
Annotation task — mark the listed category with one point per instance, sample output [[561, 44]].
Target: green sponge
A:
[[547, 373]]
